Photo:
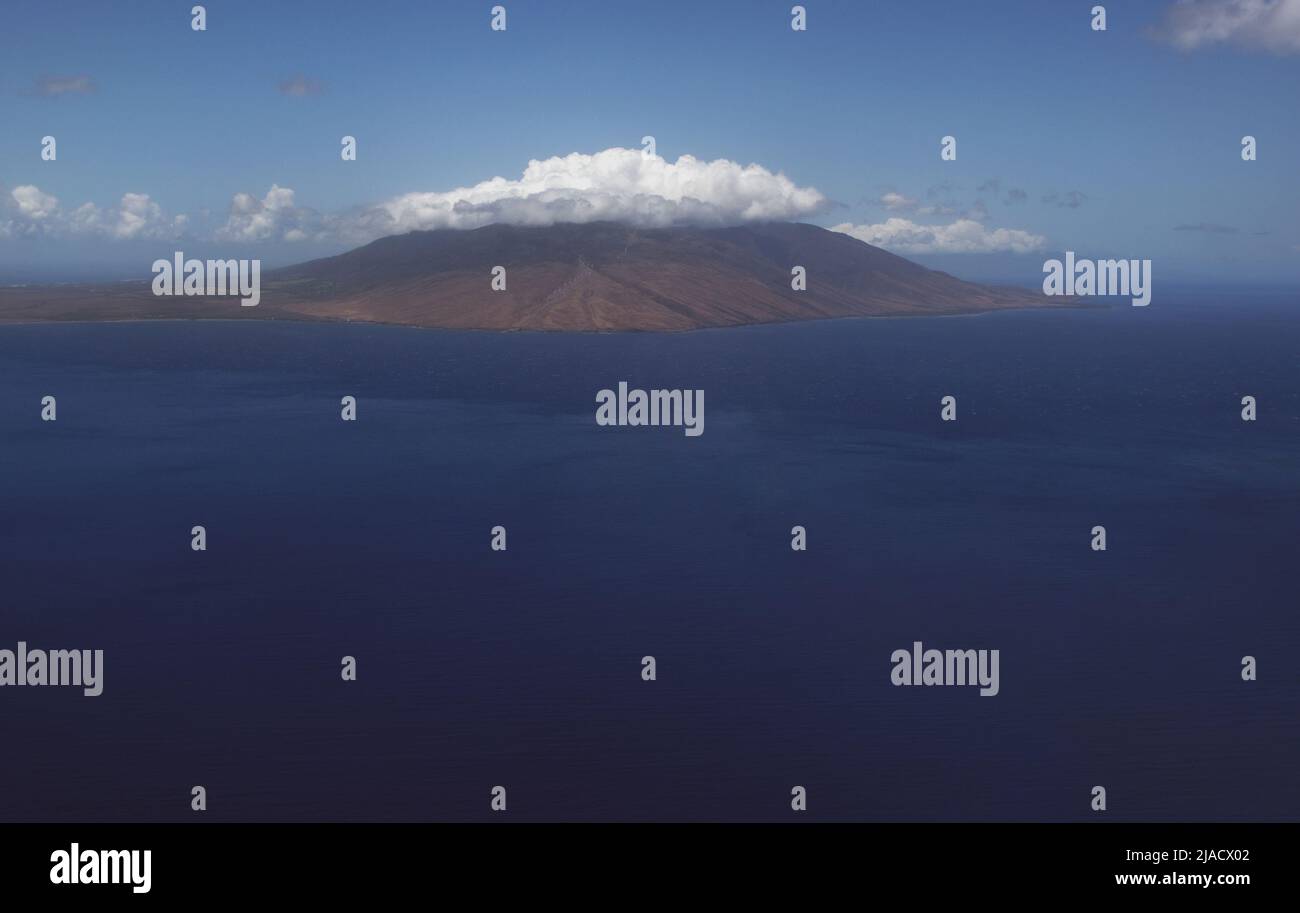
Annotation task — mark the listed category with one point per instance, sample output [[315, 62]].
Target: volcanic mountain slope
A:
[[589, 277], [605, 276]]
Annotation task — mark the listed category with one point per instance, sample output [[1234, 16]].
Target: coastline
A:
[[280, 317]]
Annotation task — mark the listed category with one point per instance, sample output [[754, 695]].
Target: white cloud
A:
[[274, 217], [623, 185], [1269, 25], [136, 216], [964, 236], [27, 211], [34, 205], [616, 184]]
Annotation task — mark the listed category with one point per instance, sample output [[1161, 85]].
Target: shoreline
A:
[[1100, 305]]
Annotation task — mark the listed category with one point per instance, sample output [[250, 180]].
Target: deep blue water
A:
[[522, 668]]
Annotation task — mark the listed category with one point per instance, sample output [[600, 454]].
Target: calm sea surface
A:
[[478, 668]]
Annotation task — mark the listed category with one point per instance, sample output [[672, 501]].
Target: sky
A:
[[1117, 143]]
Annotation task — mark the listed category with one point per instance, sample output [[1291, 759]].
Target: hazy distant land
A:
[[594, 277]]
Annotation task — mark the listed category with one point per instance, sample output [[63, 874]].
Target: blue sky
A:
[[1115, 143]]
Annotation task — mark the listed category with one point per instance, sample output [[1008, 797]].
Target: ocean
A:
[[523, 668]]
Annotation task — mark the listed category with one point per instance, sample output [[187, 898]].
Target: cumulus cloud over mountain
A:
[[626, 185], [623, 185]]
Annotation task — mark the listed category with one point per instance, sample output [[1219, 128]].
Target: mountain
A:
[[588, 277]]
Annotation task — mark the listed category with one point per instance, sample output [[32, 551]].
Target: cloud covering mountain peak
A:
[[617, 184], [625, 185]]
